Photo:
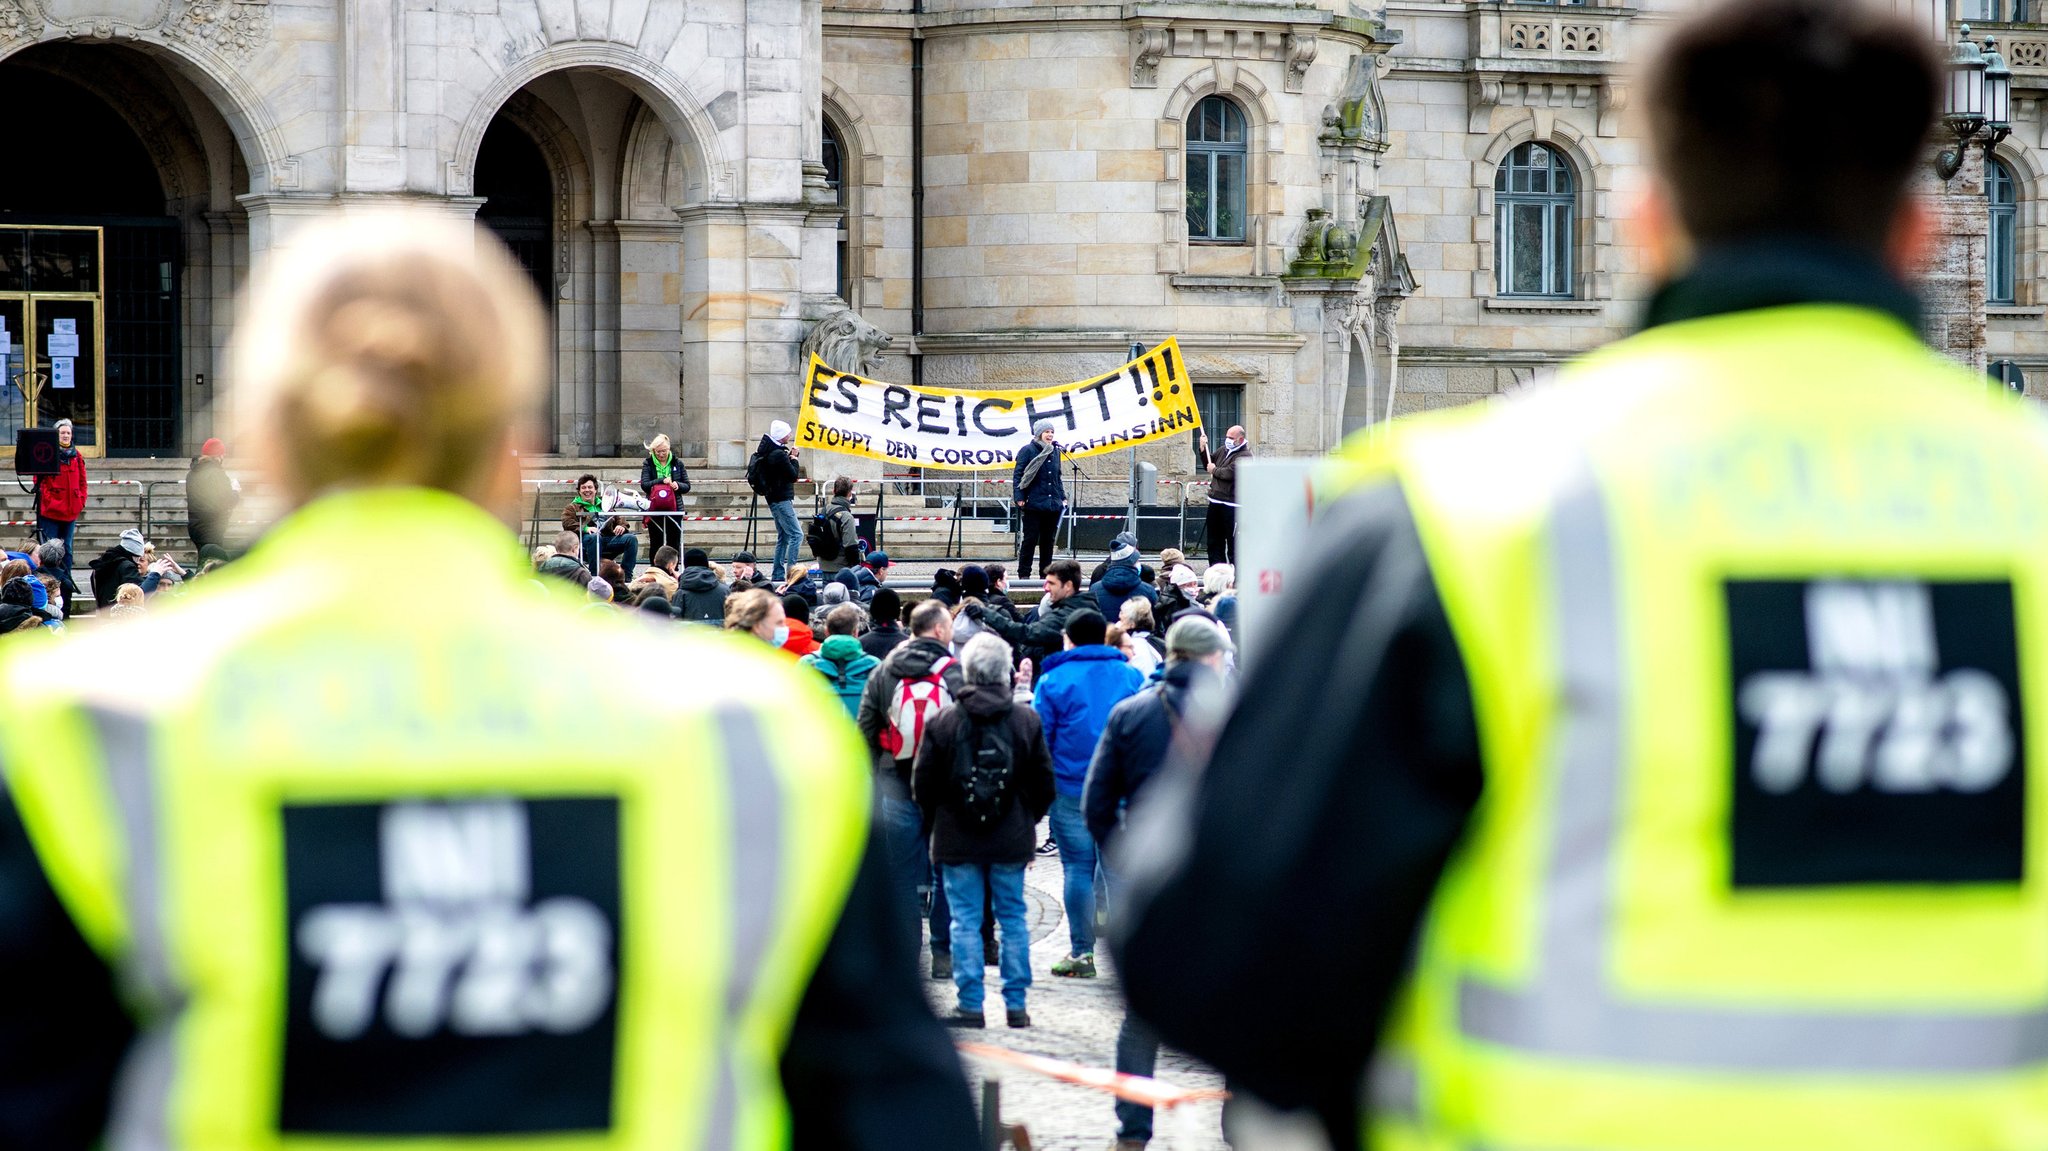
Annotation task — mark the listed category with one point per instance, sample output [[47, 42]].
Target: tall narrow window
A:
[[1216, 167], [1535, 223], [835, 179], [2002, 277]]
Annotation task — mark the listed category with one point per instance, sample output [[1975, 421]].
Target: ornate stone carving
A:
[[1359, 115], [18, 21], [2027, 53], [1582, 38], [1148, 47], [1301, 52], [1529, 36], [847, 343], [232, 28]]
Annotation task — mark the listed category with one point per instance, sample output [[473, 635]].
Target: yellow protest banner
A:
[[1150, 398]]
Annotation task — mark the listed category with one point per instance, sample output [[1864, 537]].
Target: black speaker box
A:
[[35, 452]]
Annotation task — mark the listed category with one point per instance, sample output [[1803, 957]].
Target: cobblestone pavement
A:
[[1075, 1020]]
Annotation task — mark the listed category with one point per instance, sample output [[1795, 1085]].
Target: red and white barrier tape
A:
[[1154, 1093]]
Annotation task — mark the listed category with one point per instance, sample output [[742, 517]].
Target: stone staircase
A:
[[150, 494]]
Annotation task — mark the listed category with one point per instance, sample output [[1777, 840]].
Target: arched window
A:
[[1535, 223], [2002, 277], [835, 178], [1216, 167]]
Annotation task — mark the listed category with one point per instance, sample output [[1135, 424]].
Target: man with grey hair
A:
[[1143, 732], [983, 779], [1039, 495]]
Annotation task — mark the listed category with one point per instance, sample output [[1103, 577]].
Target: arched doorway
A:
[[110, 245], [518, 191]]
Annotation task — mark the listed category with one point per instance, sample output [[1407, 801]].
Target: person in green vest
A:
[[1653, 759], [354, 877]]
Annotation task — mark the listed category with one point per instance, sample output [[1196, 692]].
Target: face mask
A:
[[781, 635], [1232, 444]]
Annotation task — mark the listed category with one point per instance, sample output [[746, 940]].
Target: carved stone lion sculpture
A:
[[846, 342]]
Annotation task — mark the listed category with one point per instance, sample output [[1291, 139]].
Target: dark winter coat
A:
[[1047, 491], [700, 596], [936, 788], [209, 496], [883, 639], [678, 475], [1119, 582], [566, 567], [777, 473], [910, 661], [1134, 746], [114, 568], [1223, 481], [1041, 635]]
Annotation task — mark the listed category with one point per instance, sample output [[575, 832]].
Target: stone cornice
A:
[[1016, 342]]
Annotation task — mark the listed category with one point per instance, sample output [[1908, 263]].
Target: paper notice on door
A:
[[61, 345], [6, 343], [63, 372], [68, 327]]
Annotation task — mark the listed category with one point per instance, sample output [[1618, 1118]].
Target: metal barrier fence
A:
[[1087, 523]]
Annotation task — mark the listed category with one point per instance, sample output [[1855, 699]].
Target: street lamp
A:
[[1963, 106], [1997, 93]]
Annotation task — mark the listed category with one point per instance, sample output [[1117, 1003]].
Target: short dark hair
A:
[[1066, 571], [997, 573], [886, 606], [842, 486], [587, 478], [666, 555], [1085, 627], [1734, 99], [927, 616], [796, 607]]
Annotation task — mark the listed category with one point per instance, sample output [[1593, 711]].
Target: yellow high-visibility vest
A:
[[396, 860], [1754, 610]]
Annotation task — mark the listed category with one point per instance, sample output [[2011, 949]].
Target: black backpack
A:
[[754, 475], [984, 766], [822, 533]]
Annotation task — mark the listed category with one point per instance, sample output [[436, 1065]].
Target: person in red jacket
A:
[[60, 500]]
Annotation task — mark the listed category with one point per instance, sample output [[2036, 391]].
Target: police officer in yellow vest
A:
[[1644, 762], [313, 861]]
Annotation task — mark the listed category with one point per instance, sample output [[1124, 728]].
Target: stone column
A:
[[372, 107], [1954, 282], [650, 335]]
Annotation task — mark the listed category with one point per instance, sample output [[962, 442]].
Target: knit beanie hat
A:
[[974, 581], [132, 542], [1192, 636], [696, 558], [1123, 547]]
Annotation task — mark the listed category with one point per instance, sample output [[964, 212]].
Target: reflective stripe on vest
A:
[[1569, 1007]]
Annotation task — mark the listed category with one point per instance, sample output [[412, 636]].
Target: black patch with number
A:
[[1878, 734], [453, 967]]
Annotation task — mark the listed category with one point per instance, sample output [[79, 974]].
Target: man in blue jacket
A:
[[1141, 735], [1040, 495], [1076, 690]]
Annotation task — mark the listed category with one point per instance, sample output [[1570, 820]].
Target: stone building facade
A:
[[1341, 213]]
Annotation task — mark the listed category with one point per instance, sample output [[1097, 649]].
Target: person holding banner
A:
[[1040, 496], [1222, 519]]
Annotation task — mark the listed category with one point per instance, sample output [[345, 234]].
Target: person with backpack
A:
[[665, 481], [833, 535], [983, 780], [772, 473], [1120, 579], [913, 684], [840, 658]]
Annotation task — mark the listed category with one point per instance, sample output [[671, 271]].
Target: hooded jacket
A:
[[700, 597], [849, 557], [909, 661], [566, 567], [62, 497], [802, 641], [114, 568], [777, 473], [935, 785], [1120, 582], [882, 639], [846, 667], [1041, 636], [1134, 746], [209, 496], [1076, 690]]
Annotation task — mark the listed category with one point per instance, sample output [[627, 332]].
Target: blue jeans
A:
[[910, 861], [624, 547], [788, 538], [1137, 1053], [66, 530], [1077, 860], [1004, 884]]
